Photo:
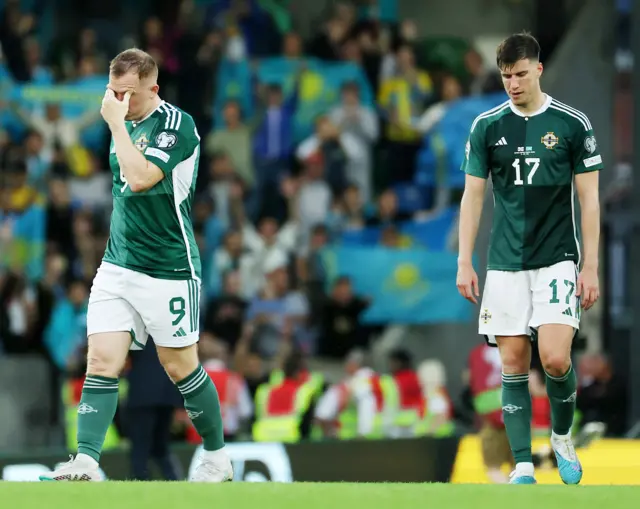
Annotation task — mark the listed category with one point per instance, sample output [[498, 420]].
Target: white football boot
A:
[[214, 467], [80, 468]]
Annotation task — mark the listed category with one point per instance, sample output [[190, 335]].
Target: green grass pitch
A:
[[159, 495]]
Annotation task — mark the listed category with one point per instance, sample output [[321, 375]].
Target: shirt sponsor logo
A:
[[154, 152], [592, 161]]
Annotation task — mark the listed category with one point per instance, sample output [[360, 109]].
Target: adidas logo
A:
[[180, 333], [567, 312], [571, 399], [500, 142]]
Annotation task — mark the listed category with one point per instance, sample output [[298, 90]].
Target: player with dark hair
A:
[[539, 152], [149, 279]]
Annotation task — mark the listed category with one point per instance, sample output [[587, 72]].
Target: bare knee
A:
[[107, 353], [515, 353], [554, 345], [555, 364], [179, 363]]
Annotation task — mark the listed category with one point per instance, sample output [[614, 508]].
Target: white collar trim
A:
[[542, 108]]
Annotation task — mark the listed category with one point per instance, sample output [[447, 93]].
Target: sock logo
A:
[[571, 399], [511, 409], [86, 409], [192, 415]]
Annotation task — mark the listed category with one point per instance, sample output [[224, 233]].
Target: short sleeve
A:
[[170, 147], [476, 160], [584, 151]]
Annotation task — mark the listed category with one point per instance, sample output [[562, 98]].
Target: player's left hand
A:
[[588, 287], [113, 110]]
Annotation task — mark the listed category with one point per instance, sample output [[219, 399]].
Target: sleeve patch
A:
[[592, 161], [166, 140], [154, 152], [590, 144]]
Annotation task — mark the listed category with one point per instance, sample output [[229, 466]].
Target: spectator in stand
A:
[[313, 197], [361, 123], [234, 140], [347, 213], [340, 152], [232, 256], [387, 212], [341, 316], [403, 97], [38, 160], [236, 402], [17, 314], [15, 26], [60, 219], [292, 46], [66, 332], [279, 313], [327, 44], [152, 401], [55, 129], [273, 143], [224, 315], [602, 395]]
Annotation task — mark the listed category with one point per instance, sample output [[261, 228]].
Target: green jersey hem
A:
[[177, 275], [527, 266]]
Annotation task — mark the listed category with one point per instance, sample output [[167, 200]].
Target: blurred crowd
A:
[[269, 196], [266, 203]]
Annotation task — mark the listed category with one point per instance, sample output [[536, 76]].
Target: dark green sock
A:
[[95, 413], [516, 411], [203, 407], [562, 396]]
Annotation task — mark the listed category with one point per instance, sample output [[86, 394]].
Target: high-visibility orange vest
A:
[[280, 410]]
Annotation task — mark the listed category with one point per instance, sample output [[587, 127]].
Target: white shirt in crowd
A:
[[239, 406]]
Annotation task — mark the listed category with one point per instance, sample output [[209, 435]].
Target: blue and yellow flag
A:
[[409, 286]]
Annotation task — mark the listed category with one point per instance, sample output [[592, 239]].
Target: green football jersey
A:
[[151, 231], [532, 160]]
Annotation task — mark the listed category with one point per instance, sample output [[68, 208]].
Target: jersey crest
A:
[[550, 140], [141, 142]]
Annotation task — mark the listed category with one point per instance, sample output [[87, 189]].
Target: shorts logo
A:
[[549, 140], [485, 316], [166, 140], [590, 144]]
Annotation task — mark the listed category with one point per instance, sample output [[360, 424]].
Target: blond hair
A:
[[134, 60]]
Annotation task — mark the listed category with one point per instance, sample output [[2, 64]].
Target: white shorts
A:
[[124, 300], [517, 303]]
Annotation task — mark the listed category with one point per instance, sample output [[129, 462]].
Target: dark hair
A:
[[293, 364], [402, 357], [135, 60], [517, 47]]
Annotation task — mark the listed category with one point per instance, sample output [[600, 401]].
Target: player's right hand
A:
[[467, 282]]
